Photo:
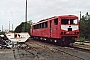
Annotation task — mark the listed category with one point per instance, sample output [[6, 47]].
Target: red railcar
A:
[[59, 29]]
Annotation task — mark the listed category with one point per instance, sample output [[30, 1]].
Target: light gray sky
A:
[[14, 10]]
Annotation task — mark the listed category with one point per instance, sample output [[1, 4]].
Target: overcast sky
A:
[[14, 10]]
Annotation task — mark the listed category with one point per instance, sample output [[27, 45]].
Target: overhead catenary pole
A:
[[2, 28], [80, 15], [9, 26], [12, 27]]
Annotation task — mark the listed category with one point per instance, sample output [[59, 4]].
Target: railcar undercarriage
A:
[[64, 41]]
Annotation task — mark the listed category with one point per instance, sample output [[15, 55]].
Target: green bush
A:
[[2, 33], [81, 40]]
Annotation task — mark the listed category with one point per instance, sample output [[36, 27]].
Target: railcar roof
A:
[[44, 20], [68, 16]]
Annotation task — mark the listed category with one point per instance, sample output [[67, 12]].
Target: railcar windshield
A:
[[73, 21], [69, 21], [64, 21]]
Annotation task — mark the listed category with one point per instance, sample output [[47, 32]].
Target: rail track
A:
[[36, 50], [80, 49]]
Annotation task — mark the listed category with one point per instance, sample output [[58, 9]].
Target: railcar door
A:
[[50, 28], [54, 28]]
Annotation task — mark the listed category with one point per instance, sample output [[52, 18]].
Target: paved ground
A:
[[8, 54]]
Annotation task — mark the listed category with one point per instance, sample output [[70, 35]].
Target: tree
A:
[[24, 27], [84, 26]]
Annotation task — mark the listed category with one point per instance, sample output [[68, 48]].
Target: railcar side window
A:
[[56, 21], [35, 26], [41, 25], [38, 26], [64, 21], [45, 25]]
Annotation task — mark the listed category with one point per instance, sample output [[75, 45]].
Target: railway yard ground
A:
[[38, 50]]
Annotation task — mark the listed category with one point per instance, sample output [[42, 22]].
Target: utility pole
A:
[[26, 12], [26, 17]]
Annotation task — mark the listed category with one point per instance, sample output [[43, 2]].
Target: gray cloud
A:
[[14, 10]]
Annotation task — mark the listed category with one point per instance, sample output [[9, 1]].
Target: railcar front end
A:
[[69, 29]]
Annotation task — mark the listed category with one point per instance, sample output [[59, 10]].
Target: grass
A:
[[82, 40]]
